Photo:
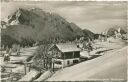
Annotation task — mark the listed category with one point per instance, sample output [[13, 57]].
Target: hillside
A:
[[38, 25], [111, 31], [109, 66], [88, 33]]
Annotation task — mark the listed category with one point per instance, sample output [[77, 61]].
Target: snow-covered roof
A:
[[67, 47]]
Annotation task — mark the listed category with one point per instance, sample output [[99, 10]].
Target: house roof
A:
[[67, 47]]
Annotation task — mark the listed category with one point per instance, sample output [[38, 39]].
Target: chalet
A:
[[66, 53]]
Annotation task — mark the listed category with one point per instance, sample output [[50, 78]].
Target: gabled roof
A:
[[67, 47]]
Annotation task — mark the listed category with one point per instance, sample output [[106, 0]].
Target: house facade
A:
[[66, 54]]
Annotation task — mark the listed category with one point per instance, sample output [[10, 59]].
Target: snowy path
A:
[[30, 76]]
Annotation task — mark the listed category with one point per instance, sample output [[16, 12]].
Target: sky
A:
[[95, 16]]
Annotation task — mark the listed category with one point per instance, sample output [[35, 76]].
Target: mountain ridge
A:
[[38, 25]]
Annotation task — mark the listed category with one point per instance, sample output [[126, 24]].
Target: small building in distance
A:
[[66, 54], [100, 37]]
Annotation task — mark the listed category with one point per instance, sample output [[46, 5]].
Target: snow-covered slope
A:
[[109, 66]]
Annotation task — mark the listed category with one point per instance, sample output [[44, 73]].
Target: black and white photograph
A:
[[57, 41]]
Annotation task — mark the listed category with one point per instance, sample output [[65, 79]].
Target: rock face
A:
[[37, 25]]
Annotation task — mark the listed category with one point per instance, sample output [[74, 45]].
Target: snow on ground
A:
[[17, 68], [44, 76], [25, 53], [109, 45], [109, 66], [29, 76]]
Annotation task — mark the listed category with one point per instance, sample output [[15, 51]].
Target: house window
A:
[[68, 55], [75, 61], [76, 54], [68, 62]]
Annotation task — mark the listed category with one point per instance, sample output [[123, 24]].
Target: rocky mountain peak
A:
[[37, 25]]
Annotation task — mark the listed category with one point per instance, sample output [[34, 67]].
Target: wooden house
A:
[[66, 53]]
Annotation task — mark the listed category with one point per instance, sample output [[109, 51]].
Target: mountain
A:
[[28, 26]]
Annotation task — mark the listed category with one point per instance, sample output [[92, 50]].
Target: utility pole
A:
[[53, 63]]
